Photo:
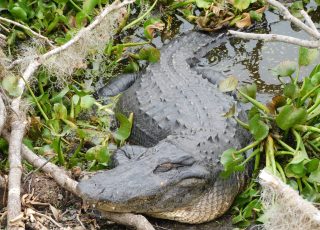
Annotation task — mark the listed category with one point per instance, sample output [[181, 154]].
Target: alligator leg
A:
[[128, 153], [117, 85]]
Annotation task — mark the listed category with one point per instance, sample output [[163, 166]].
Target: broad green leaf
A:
[[315, 176], [258, 128], [290, 116], [296, 167], [99, 153], [255, 16], [252, 112], [60, 111], [131, 67], [315, 70], [150, 54], [231, 161], [19, 12], [290, 90], [295, 170], [307, 56], [250, 90], [306, 87], [59, 96], [124, 130], [315, 79], [312, 165], [285, 69], [296, 7], [203, 3], [310, 194], [87, 102], [241, 4], [151, 25], [249, 209], [228, 84], [10, 84], [89, 5]]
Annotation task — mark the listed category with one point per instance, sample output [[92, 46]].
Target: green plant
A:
[[286, 135]]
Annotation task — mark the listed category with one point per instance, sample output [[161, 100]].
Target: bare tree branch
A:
[[309, 28], [18, 122], [3, 114], [62, 178], [15, 172], [28, 29], [309, 21], [84, 31], [276, 38], [288, 16], [129, 219]]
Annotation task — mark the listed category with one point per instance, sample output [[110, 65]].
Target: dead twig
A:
[[18, 121], [3, 114], [62, 178], [309, 27], [27, 29], [129, 219]]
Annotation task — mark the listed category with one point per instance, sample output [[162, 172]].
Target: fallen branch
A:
[[3, 114], [276, 38], [288, 16], [18, 121], [309, 27], [27, 29], [15, 172], [129, 219], [62, 178]]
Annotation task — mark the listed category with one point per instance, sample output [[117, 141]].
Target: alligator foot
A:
[[117, 85]]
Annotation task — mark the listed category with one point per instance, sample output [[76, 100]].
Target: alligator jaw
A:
[[157, 182]]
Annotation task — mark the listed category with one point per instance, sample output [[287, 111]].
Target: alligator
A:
[[171, 169]]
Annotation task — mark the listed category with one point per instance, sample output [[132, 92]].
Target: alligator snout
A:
[[153, 183]]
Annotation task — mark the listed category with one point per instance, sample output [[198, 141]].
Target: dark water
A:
[[250, 61]]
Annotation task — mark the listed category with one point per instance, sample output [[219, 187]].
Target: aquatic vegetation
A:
[[286, 137]]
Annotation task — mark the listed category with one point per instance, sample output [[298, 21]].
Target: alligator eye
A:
[[165, 167]]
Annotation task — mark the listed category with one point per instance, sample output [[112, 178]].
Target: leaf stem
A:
[[242, 124], [141, 17], [255, 102], [253, 154], [270, 154], [130, 44], [284, 145], [78, 8], [248, 147], [305, 128], [279, 153], [283, 175], [36, 101], [305, 97]]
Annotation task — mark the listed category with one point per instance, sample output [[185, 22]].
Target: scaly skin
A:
[[178, 119]]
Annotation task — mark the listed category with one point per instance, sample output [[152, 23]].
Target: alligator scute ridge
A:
[[180, 134]]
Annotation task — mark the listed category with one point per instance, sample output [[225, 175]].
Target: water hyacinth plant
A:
[[286, 136]]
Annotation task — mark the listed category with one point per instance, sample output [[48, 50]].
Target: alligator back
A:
[[171, 98]]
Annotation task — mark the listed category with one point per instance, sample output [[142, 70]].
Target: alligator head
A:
[[165, 181]]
